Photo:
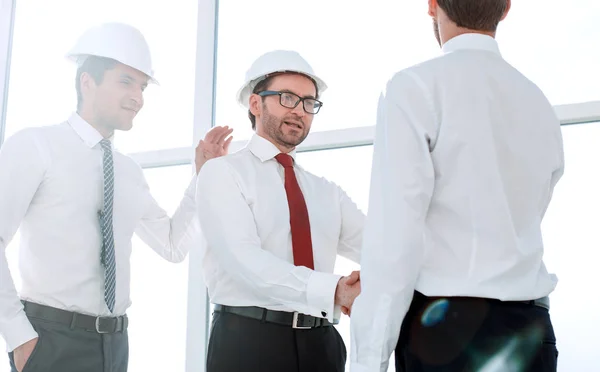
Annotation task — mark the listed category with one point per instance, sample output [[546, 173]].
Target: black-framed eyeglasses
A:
[[291, 100]]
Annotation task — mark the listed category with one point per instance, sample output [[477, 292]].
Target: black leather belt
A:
[[76, 320], [294, 320], [541, 302]]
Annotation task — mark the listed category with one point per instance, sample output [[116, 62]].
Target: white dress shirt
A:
[[51, 186], [245, 218], [467, 154]]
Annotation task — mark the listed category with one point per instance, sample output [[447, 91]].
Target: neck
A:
[[280, 146], [283, 148], [450, 32], [104, 130]]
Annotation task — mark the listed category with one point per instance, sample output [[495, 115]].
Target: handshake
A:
[[348, 288]]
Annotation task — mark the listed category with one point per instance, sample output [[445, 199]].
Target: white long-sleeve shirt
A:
[[51, 186], [467, 154], [245, 219]]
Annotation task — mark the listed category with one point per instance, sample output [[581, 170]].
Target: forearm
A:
[[295, 287], [23, 164], [351, 235], [171, 237], [14, 325]]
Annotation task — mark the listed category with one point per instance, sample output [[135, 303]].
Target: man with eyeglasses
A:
[[273, 231]]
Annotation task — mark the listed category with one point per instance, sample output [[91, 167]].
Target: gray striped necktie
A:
[[106, 224]]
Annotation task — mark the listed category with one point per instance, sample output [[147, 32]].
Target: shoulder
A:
[[321, 183], [35, 136], [225, 166], [128, 165], [242, 161]]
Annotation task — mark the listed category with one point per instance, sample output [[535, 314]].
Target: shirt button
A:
[[324, 314]]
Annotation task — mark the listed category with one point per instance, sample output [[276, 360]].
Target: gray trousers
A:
[[62, 349]]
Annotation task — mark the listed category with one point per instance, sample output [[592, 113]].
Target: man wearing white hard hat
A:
[[273, 231], [78, 202]]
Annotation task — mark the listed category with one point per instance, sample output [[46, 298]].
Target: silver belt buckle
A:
[[98, 325], [295, 322]]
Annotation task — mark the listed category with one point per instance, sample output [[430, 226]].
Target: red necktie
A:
[[299, 223]]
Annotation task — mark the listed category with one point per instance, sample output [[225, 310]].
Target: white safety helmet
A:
[[117, 41], [273, 62]]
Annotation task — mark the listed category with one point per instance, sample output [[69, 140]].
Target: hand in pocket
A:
[[22, 353]]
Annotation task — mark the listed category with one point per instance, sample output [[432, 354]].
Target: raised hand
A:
[[215, 144]]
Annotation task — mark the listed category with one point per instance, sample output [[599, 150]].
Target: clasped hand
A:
[[347, 290]]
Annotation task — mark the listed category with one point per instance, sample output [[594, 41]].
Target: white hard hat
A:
[[117, 41], [273, 62]]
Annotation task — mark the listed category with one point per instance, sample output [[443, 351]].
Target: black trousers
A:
[[470, 334], [240, 344], [62, 349]]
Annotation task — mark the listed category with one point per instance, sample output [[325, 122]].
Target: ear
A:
[[86, 83], [255, 105], [508, 4], [432, 8]]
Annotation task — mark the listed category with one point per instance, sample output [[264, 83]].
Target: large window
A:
[[159, 288], [571, 239], [558, 59], [356, 49], [42, 80]]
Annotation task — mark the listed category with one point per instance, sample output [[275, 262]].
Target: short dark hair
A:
[[96, 67], [480, 15], [264, 85]]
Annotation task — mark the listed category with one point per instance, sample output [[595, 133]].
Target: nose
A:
[[138, 98], [299, 109]]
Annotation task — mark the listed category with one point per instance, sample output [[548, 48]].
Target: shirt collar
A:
[[88, 134], [473, 42], [264, 149]]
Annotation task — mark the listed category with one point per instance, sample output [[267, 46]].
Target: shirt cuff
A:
[[337, 312], [320, 294], [18, 331], [355, 367]]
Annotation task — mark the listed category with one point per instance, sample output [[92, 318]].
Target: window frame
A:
[[7, 25]]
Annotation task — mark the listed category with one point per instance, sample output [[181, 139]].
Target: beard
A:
[[273, 126], [436, 31]]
